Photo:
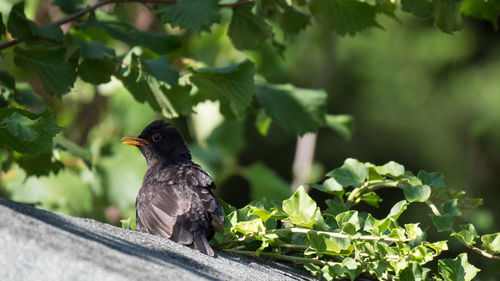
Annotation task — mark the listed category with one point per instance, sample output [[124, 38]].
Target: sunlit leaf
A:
[[431, 179], [419, 193], [443, 222], [398, 209], [342, 124], [196, 15], [458, 269], [451, 207], [391, 168], [482, 9], [467, 234], [352, 173], [348, 221], [330, 186], [491, 242], [300, 208]]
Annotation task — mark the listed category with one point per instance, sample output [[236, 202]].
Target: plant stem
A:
[[336, 235], [368, 186], [482, 252], [89, 9], [282, 257]]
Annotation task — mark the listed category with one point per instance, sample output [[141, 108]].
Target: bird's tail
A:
[[200, 243]]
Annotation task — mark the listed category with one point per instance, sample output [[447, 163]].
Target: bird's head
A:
[[160, 142]]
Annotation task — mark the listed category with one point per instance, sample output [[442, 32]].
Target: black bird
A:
[[175, 200]]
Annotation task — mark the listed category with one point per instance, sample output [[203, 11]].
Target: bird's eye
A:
[[156, 137]]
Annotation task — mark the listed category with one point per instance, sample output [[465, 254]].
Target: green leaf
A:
[[467, 234], [451, 207], [414, 272], [233, 85], [292, 21], [371, 198], [438, 247], [417, 7], [40, 165], [297, 110], [320, 245], [344, 16], [246, 30], [350, 267], [419, 193], [398, 209], [148, 80], [458, 269], [27, 132], [56, 75], [69, 6], [73, 148], [431, 179], [234, 144], [375, 226], [266, 183], [343, 124], [96, 71], [330, 186], [391, 168], [24, 29], [93, 50], [352, 173], [300, 208], [491, 242], [443, 222], [348, 222], [249, 227], [160, 43], [263, 122], [447, 16], [413, 231], [195, 15], [482, 9]]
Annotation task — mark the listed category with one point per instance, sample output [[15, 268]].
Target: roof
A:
[[41, 245]]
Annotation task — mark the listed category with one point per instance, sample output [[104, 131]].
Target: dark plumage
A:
[[175, 200]]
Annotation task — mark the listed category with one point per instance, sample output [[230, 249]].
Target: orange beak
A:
[[134, 141]]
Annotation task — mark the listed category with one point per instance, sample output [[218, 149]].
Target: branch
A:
[[368, 186], [336, 235], [282, 257], [94, 7], [482, 252]]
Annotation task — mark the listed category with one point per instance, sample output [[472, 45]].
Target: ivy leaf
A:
[[431, 179], [330, 186], [246, 30], [266, 183], [482, 9], [413, 231], [414, 272], [443, 222], [457, 269], [195, 15], [371, 198], [300, 208], [438, 247], [343, 124], [348, 222], [419, 193], [344, 16], [391, 168], [491, 242], [350, 267], [69, 6], [27, 132], [249, 227], [467, 234], [24, 29], [398, 209], [297, 110], [233, 85], [451, 207], [320, 245], [352, 173], [56, 75]]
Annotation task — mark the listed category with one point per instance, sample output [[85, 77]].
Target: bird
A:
[[176, 199]]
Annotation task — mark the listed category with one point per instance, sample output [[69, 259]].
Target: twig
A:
[[367, 187], [336, 235], [89, 9], [482, 252], [282, 257]]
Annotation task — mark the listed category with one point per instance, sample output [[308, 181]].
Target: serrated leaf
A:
[[451, 207], [160, 43], [300, 208], [93, 50], [398, 209], [482, 9], [161, 70], [246, 30], [297, 110], [96, 71], [26, 136], [344, 16], [467, 234], [352, 173], [447, 16], [391, 168], [419, 193], [293, 21], [330, 186], [233, 85], [443, 222], [56, 75], [458, 269], [40, 165], [266, 183], [431, 179], [69, 6], [343, 124], [24, 29], [491, 242], [195, 15]]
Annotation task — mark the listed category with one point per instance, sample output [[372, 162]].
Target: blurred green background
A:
[[423, 98]]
